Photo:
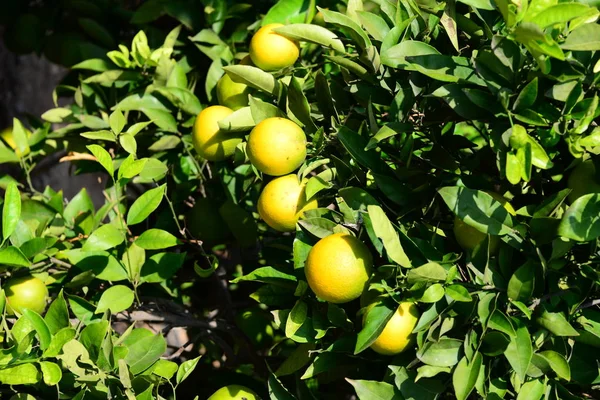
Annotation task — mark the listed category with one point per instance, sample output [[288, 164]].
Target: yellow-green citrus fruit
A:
[[231, 94], [583, 180], [270, 51], [25, 292], [397, 334], [210, 142], [205, 223], [338, 268], [319, 19], [7, 136], [283, 201], [256, 325], [234, 392], [276, 146], [468, 237]]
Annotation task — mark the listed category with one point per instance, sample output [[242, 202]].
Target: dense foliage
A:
[[423, 119]]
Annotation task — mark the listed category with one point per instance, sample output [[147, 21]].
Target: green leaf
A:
[[182, 98], [557, 363], [161, 266], [356, 144], [261, 110], [276, 389], [386, 232], [478, 209], [91, 338], [103, 264], [145, 205], [299, 106], [20, 138], [57, 316], [459, 293], [156, 239], [58, 341], [349, 26], [51, 373], [166, 142], [296, 318], [519, 350], [500, 322], [38, 323], [532, 390], [11, 210], [104, 238], [522, 282], [556, 323], [433, 293], [374, 25], [367, 390], [374, 322], [24, 374], [296, 360], [287, 12], [312, 34], [430, 272], [186, 368], [131, 167], [465, 375], [128, 143], [268, 275], [94, 64], [581, 222], [56, 115], [145, 349], [584, 38], [253, 77], [80, 206], [559, 14], [13, 256], [239, 121], [136, 128], [117, 121], [527, 96], [444, 353], [103, 158], [163, 119], [481, 4], [116, 298], [99, 135], [406, 383], [165, 368]]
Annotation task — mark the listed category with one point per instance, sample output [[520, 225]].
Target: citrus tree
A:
[[409, 188]]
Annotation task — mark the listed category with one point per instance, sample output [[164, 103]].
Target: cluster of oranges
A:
[[339, 266]]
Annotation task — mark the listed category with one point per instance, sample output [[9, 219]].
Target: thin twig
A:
[[171, 319], [589, 304]]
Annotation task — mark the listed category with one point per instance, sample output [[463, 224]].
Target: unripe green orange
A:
[[270, 51], [234, 392], [583, 181], [468, 237], [256, 325], [26, 292], [209, 140], [232, 94], [338, 268], [283, 201], [276, 146], [397, 334]]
